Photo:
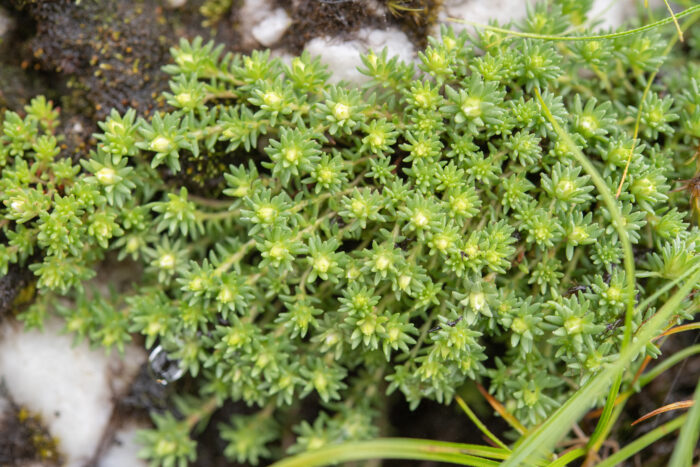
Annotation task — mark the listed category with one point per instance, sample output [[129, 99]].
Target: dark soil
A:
[[311, 19], [110, 50], [12, 285], [24, 439], [340, 18], [93, 56]]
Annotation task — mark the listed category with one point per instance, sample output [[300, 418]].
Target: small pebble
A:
[[272, 28], [343, 58]]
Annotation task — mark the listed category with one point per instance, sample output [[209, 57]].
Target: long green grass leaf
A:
[[567, 458], [619, 223], [397, 448], [688, 438], [472, 416], [665, 288]]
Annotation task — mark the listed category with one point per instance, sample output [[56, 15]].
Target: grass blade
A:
[[664, 409], [568, 457], [649, 376], [618, 223], [681, 328], [397, 448], [688, 439], [666, 287], [472, 416]]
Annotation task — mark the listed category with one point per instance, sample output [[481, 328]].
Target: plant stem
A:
[[397, 448], [647, 88], [688, 437], [579, 38], [565, 459], [472, 416]]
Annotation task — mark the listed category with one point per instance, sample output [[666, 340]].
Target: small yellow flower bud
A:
[[106, 176], [167, 261], [161, 144], [341, 111]]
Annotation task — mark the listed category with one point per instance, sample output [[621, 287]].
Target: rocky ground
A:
[[64, 404]]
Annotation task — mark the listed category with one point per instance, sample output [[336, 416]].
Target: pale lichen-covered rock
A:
[[71, 387], [268, 31], [343, 57], [123, 450]]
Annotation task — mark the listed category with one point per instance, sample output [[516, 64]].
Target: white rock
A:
[[610, 13], [6, 22], [481, 11], [254, 11], [271, 29], [251, 14], [396, 42], [72, 388], [343, 58], [124, 449]]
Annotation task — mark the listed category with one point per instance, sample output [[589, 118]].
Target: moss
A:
[[19, 80], [16, 289], [416, 18], [311, 19], [24, 437], [216, 10], [112, 50]]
